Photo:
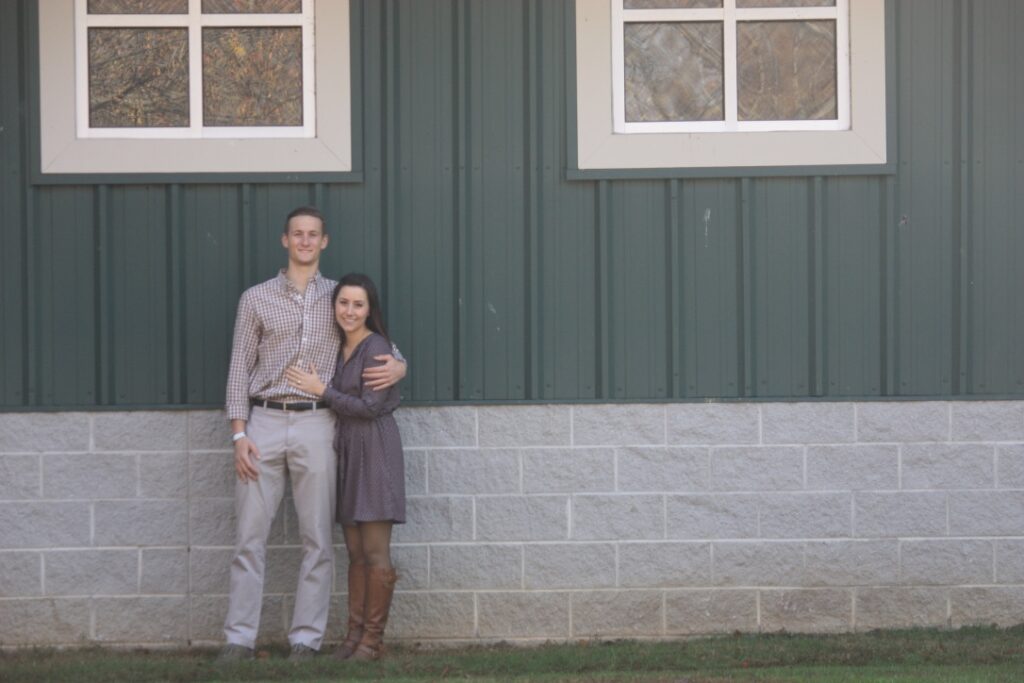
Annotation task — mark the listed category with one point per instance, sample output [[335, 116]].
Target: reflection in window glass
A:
[[138, 7], [252, 77], [786, 70], [138, 77], [674, 71], [252, 6]]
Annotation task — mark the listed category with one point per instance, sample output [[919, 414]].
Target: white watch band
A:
[[236, 436]]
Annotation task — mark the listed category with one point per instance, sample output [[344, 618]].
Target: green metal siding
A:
[[504, 281]]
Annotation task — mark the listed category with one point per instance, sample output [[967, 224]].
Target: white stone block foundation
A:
[[534, 523]]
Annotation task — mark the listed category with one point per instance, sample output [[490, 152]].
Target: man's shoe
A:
[[301, 653], [232, 652]]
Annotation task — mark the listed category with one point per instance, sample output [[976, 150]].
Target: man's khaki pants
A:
[[299, 444]]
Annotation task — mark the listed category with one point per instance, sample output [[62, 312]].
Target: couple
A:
[[310, 392]]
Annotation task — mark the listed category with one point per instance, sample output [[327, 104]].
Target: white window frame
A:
[[195, 21], [599, 147], [64, 155], [729, 16]]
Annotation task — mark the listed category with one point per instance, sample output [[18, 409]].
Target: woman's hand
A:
[[307, 381]]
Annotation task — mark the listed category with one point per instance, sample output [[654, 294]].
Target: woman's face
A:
[[351, 309]]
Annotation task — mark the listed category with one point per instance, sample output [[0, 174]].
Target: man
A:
[[277, 429]]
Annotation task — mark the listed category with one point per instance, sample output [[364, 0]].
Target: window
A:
[[194, 86], [214, 68], [699, 84], [730, 65]]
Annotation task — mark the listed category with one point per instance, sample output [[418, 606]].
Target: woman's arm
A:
[[368, 405]]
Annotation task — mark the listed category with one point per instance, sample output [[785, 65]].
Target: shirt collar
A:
[[314, 285]]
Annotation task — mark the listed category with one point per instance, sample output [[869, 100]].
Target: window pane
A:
[[138, 77], [138, 7], [252, 77], [674, 71], [252, 6], [669, 4], [785, 3], [786, 70]]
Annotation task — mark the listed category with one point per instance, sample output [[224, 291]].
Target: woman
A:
[[371, 479]]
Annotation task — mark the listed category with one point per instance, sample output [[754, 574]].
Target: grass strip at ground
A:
[[969, 654]]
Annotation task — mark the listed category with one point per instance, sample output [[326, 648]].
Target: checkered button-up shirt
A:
[[278, 326]]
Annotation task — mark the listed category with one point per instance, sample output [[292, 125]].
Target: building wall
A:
[[543, 522], [504, 281]]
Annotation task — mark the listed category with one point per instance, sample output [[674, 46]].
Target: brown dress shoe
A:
[[380, 586], [356, 610]]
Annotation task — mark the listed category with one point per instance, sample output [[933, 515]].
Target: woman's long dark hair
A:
[[374, 321]]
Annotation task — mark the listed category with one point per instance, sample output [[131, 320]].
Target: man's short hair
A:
[[305, 211]]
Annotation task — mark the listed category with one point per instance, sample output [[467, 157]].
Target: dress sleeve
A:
[[369, 404]]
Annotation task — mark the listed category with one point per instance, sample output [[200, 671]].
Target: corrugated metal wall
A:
[[504, 281]]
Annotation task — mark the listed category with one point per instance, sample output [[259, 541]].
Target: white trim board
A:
[[63, 151], [600, 147]]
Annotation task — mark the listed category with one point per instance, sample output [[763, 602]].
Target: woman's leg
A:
[[375, 538], [356, 591], [380, 585]]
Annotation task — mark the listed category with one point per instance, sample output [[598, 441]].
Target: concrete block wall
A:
[[543, 522]]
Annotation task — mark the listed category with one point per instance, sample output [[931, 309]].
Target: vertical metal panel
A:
[[64, 250], [780, 252], [996, 185], [637, 283], [214, 280], [493, 363], [423, 235], [925, 267], [711, 317], [139, 288], [13, 304], [854, 278], [567, 240]]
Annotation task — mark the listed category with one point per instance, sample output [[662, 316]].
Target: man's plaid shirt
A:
[[278, 326]]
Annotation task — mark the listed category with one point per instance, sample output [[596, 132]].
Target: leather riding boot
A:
[[356, 610], [380, 586]]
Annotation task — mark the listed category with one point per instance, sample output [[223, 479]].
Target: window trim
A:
[[60, 157], [595, 151]]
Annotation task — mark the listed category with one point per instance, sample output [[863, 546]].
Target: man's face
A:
[[304, 240]]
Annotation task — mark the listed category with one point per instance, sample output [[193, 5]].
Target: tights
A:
[[369, 543]]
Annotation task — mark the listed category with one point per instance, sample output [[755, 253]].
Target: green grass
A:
[[970, 654]]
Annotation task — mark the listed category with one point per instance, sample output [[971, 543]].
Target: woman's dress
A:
[[371, 469]]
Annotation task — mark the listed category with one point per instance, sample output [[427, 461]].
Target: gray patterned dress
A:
[[371, 469]]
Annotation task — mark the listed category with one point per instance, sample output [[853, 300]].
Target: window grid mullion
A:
[[730, 88], [195, 68]]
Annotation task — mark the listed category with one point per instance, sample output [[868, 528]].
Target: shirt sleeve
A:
[[369, 404], [398, 354], [244, 354]]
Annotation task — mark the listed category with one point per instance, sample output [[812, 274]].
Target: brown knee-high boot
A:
[[380, 586], [356, 610]]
